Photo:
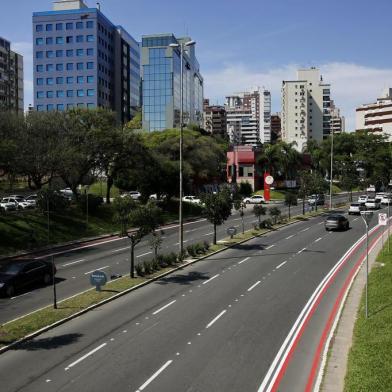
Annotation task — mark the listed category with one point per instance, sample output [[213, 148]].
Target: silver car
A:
[[336, 222]]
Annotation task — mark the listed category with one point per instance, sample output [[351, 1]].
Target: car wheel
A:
[[47, 278], [10, 291], [347, 226]]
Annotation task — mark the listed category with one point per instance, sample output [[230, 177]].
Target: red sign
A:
[[267, 195]]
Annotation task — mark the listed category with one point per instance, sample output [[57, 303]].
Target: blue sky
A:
[[248, 43]]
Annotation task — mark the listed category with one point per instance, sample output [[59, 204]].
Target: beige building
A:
[[214, 119], [376, 117], [305, 108], [338, 122]]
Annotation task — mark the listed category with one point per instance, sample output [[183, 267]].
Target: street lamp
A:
[[181, 46], [367, 217], [331, 172]]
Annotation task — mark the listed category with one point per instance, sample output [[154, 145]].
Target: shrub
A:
[[266, 224], [206, 245], [191, 250], [173, 256], [139, 269], [94, 202], [57, 202], [155, 265], [148, 269], [161, 261], [181, 256]]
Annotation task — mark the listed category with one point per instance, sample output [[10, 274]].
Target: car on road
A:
[[336, 222], [191, 199], [362, 199], [371, 188], [17, 275], [356, 208], [255, 199], [316, 200], [386, 199], [6, 205], [373, 204], [135, 195]]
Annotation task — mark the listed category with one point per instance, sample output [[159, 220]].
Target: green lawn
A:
[[370, 358], [275, 195], [99, 189]]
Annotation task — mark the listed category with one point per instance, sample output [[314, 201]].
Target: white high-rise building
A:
[[305, 108], [249, 117]]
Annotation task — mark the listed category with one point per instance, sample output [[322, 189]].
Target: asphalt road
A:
[[74, 266], [215, 326]]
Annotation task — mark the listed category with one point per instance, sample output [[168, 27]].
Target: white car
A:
[[371, 188], [256, 199], [32, 200], [362, 199], [356, 208], [386, 199], [372, 204], [135, 195], [6, 205], [20, 204], [191, 199]]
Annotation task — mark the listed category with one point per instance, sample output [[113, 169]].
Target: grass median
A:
[[370, 357], [16, 330]]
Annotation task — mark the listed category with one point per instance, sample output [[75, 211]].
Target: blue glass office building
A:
[[161, 72], [82, 60]]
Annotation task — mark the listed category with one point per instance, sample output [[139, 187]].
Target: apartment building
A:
[[338, 124], [214, 119], [305, 108], [376, 117], [249, 117], [11, 78], [276, 127]]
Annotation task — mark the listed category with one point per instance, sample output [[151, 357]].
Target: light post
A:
[[367, 217], [181, 46], [331, 172]]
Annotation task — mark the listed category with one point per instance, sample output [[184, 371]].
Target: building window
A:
[[80, 79], [40, 94], [49, 94], [90, 93], [80, 93], [79, 52], [40, 68], [69, 39], [40, 108], [49, 40], [90, 79], [90, 38], [50, 54], [39, 41], [60, 93], [69, 26], [69, 66], [70, 106], [69, 53], [79, 38], [79, 66], [59, 26], [70, 80], [80, 105], [40, 81], [49, 67], [59, 53], [39, 27], [49, 81], [59, 40], [70, 93], [59, 67], [79, 25], [60, 107], [39, 55], [60, 80], [90, 24], [49, 27], [90, 52], [90, 65]]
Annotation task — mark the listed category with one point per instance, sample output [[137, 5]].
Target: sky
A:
[[248, 43]]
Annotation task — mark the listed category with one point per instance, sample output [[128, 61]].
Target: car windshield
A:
[[11, 269], [354, 205], [333, 218]]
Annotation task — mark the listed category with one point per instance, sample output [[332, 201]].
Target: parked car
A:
[[20, 274], [32, 200], [371, 188], [256, 199], [336, 222], [386, 199], [135, 195], [6, 205], [191, 199], [373, 204], [21, 203], [362, 199], [316, 199], [356, 208]]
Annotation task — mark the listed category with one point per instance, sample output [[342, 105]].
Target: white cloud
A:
[[352, 84]]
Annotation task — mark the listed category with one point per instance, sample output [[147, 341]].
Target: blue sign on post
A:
[[231, 231], [98, 279]]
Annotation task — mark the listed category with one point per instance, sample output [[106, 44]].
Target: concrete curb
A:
[[127, 291]]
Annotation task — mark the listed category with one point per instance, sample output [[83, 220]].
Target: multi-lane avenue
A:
[[248, 319]]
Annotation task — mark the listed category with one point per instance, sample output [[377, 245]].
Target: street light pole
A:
[[331, 171]]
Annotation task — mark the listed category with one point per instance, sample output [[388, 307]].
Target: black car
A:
[[17, 275], [336, 222]]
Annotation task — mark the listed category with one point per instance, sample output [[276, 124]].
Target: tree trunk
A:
[[243, 226], [214, 234], [109, 184], [132, 266], [289, 212], [303, 205]]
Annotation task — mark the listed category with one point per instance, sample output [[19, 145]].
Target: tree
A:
[[136, 122], [290, 199], [305, 189], [155, 243], [245, 189], [217, 208], [259, 211], [239, 205], [275, 213], [122, 207]]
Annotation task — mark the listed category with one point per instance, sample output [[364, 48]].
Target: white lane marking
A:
[[237, 219], [305, 229], [209, 280], [73, 262], [177, 243], [236, 226], [155, 375], [243, 261], [85, 356], [302, 250], [216, 318], [252, 287], [120, 249], [319, 239], [355, 219], [144, 254], [209, 234], [21, 295], [320, 223], [190, 231], [269, 247], [281, 264], [97, 269], [290, 236], [164, 307]]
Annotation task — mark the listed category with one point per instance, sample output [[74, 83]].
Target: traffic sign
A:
[[269, 180], [231, 231], [98, 279], [382, 219]]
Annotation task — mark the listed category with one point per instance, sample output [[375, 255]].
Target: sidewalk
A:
[[336, 367]]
